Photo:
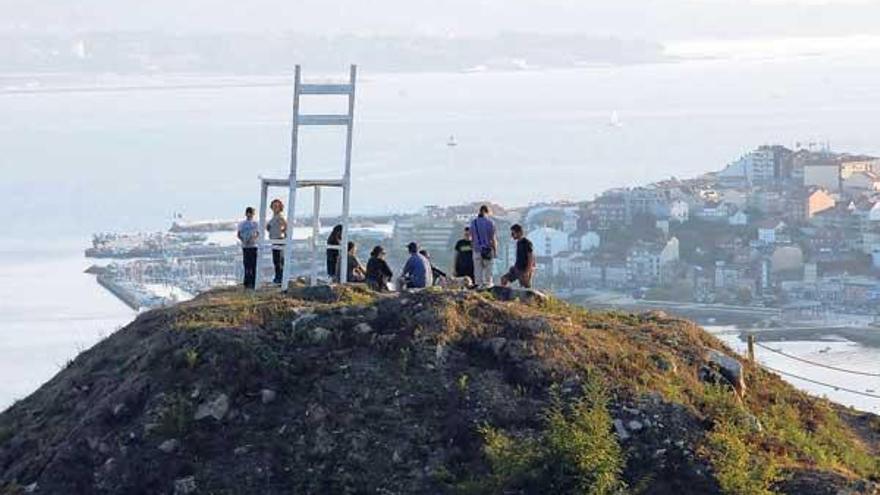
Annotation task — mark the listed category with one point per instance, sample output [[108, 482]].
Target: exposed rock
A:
[[169, 446], [319, 334], [529, 296], [635, 425], [267, 396], [302, 320], [216, 408], [363, 328], [620, 430], [496, 345], [730, 368], [185, 486], [370, 314]]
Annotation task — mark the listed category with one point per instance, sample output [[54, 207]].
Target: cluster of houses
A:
[[791, 228]]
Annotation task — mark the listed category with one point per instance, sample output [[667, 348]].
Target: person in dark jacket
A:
[[333, 243], [464, 255], [524, 267], [379, 274]]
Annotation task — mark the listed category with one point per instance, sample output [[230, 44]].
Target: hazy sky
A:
[[654, 19]]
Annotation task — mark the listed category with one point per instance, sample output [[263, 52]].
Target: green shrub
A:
[[512, 461], [176, 416], [583, 445], [577, 453], [739, 470]]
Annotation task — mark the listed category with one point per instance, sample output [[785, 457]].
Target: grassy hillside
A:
[[339, 390]]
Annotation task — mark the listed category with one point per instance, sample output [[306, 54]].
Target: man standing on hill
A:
[[277, 228], [524, 267], [464, 256], [485, 245], [248, 233]]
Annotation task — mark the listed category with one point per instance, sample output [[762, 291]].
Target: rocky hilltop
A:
[[338, 390]]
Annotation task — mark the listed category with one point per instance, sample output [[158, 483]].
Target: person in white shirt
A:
[[248, 234]]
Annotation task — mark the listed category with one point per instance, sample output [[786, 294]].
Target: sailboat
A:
[[451, 142], [614, 120]]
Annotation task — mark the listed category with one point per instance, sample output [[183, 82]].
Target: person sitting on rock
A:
[[379, 274], [438, 276], [524, 267], [356, 272], [417, 270]]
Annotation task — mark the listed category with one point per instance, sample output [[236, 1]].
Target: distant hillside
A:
[[230, 53], [331, 390]]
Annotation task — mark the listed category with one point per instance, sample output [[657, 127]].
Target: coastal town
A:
[[794, 229]]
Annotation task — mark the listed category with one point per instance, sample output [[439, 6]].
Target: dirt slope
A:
[[333, 390]]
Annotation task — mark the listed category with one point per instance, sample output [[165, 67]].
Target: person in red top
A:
[[524, 267]]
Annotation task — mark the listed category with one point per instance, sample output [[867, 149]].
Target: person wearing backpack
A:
[[485, 246]]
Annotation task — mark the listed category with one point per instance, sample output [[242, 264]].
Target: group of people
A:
[[475, 255]]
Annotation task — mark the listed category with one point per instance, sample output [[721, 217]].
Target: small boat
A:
[[614, 120], [825, 350], [869, 390]]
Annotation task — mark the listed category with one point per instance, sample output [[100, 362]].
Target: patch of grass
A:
[[513, 461], [191, 357], [821, 440], [748, 450], [404, 359], [356, 295], [738, 468], [232, 308], [576, 453], [11, 489], [462, 383], [582, 444], [176, 416]]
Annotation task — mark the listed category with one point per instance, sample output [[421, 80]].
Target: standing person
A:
[[379, 274], [484, 245], [524, 267], [277, 228], [335, 239], [464, 256], [248, 233], [355, 268], [417, 270]]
